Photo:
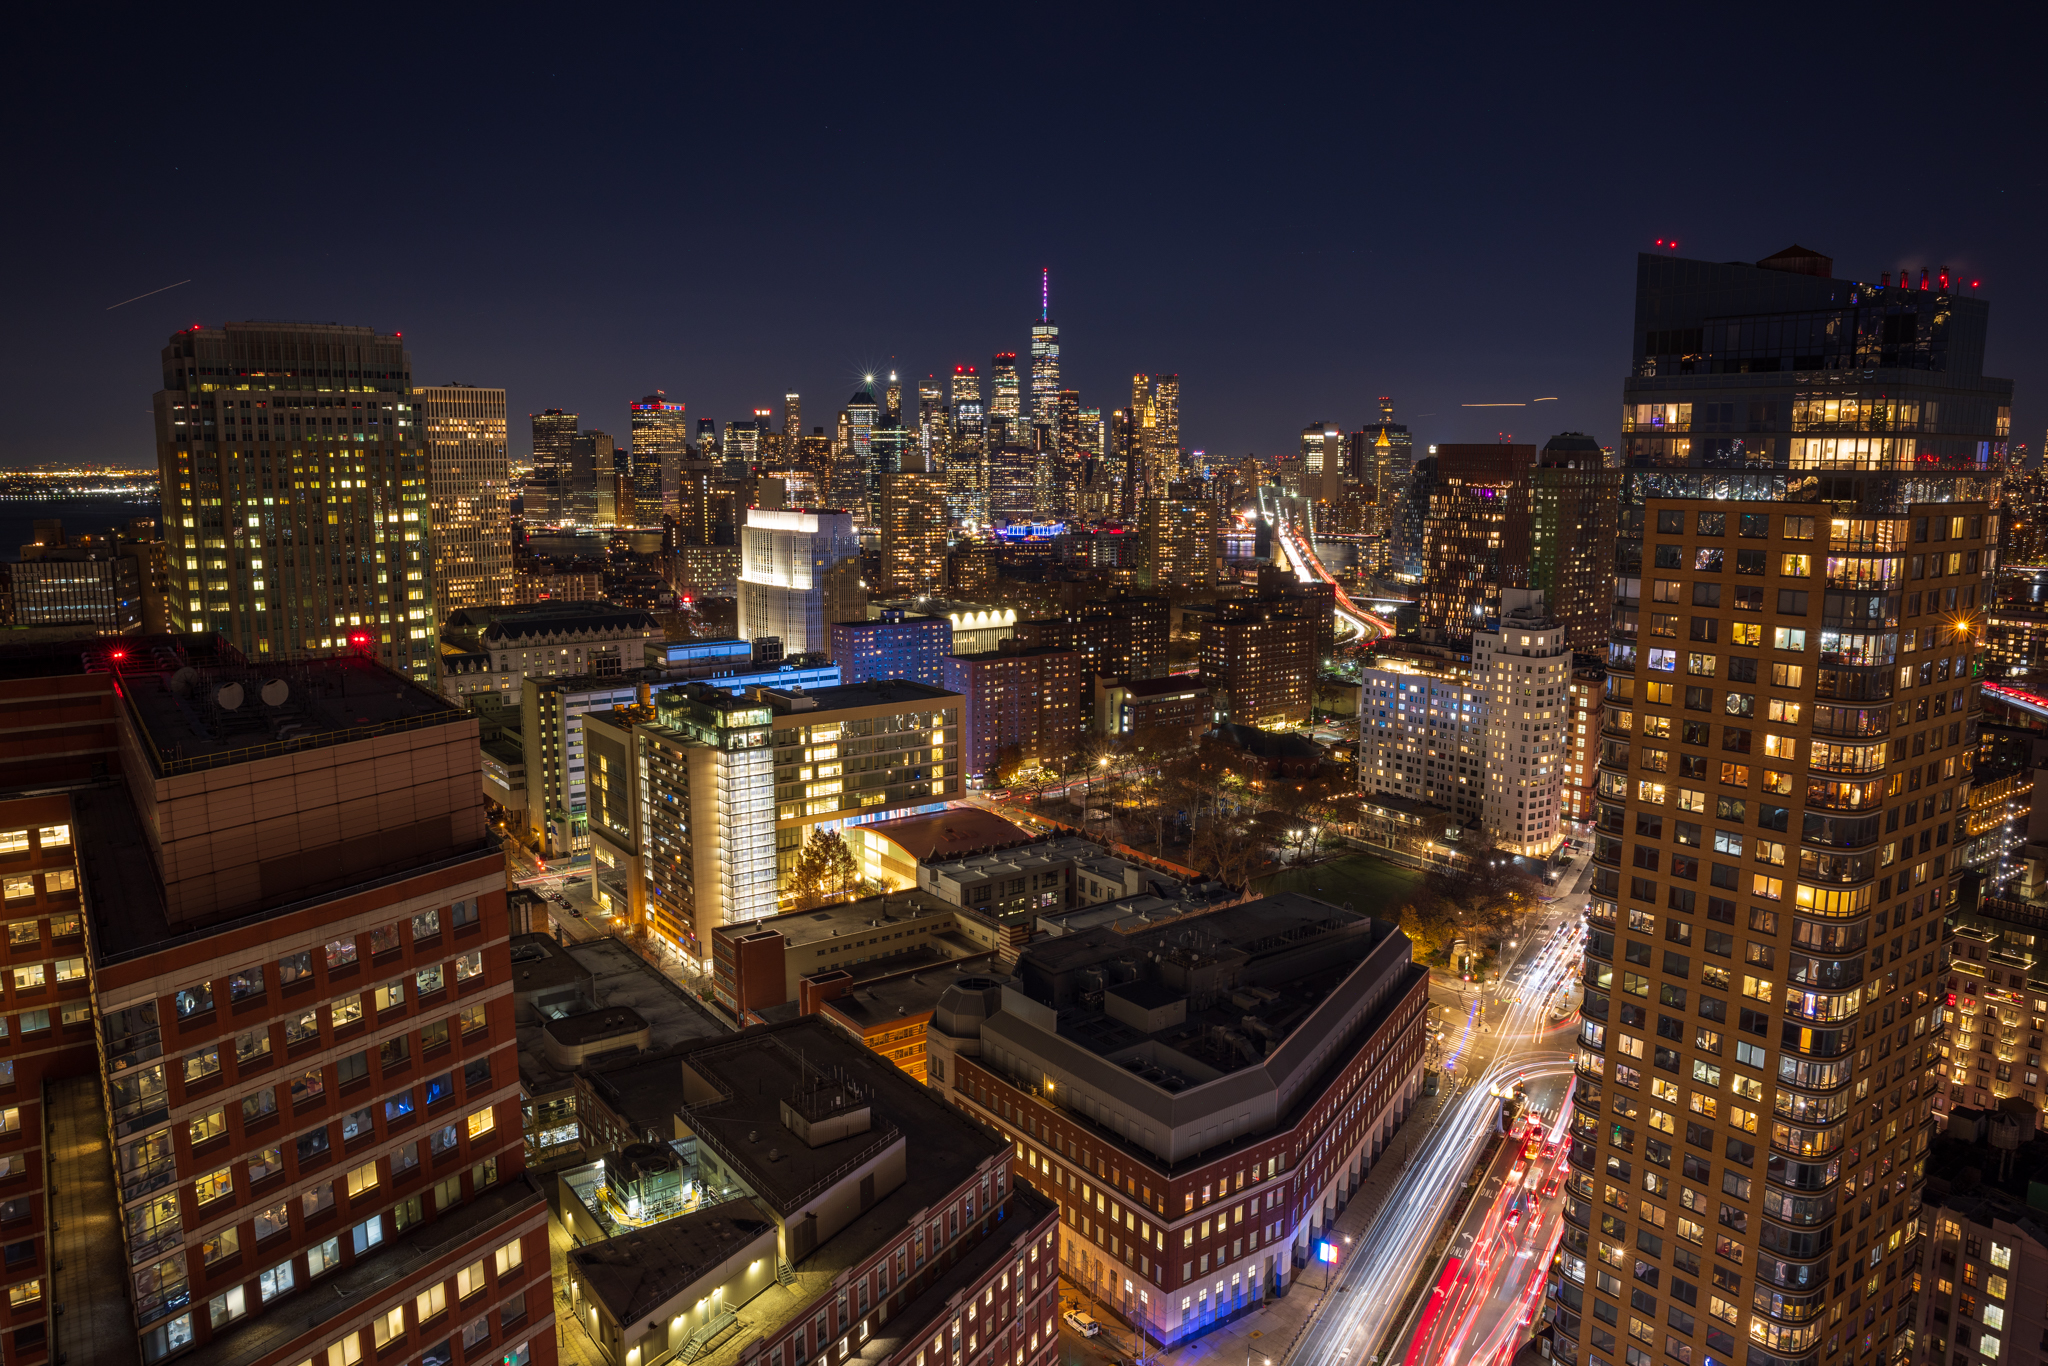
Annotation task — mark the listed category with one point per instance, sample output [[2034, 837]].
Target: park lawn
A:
[[1371, 885]]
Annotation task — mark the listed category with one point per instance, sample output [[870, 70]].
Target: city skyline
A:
[[1465, 248]]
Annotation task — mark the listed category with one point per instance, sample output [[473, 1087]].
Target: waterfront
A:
[[19, 514]]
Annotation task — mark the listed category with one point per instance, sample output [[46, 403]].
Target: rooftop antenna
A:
[[1045, 294]]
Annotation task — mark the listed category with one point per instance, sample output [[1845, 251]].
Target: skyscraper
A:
[[1573, 500], [967, 458], [913, 506], [591, 492], [553, 430], [1005, 419], [1383, 455], [792, 421], [862, 414], [799, 573], [1045, 367], [1322, 462], [892, 401], [469, 489], [1070, 452], [1522, 663], [1155, 432], [1801, 571], [1166, 430], [934, 423], [295, 502], [1476, 538], [661, 443], [707, 438]]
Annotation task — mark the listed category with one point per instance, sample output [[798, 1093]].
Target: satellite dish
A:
[[275, 692], [229, 697], [182, 681]]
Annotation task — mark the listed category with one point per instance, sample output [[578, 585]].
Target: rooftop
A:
[[623, 980], [887, 692], [638, 1272], [953, 831], [190, 717], [832, 922], [594, 1026], [538, 963], [1172, 684], [738, 1088], [885, 1000], [1280, 956]]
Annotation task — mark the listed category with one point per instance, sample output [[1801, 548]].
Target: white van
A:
[[1081, 1323]]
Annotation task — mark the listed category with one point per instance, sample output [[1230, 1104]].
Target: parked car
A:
[[1081, 1323]]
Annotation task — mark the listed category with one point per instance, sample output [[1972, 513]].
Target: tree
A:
[[1491, 891], [825, 871], [1430, 923]]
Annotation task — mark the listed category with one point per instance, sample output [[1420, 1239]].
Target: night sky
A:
[[1295, 216]]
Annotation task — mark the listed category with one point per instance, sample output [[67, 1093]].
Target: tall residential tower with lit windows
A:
[[1806, 546], [469, 489], [295, 499]]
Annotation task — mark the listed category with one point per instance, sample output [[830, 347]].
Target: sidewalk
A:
[[1272, 1331]]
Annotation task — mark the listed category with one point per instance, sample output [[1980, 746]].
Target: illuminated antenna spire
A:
[[1045, 294]]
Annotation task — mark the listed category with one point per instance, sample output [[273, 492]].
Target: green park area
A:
[[1371, 885]]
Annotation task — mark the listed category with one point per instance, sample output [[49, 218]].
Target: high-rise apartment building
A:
[[1030, 702], [896, 644], [1409, 518], [1167, 457], [1579, 799], [1122, 637], [1522, 662], [1178, 543], [294, 478], [913, 519], [1997, 980], [1045, 365], [1574, 500], [1476, 539], [1260, 654], [660, 445], [1422, 732], [1807, 543], [792, 420], [296, 1028], [469, 489], [799, 573]]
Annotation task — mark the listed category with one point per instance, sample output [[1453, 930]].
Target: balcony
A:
[[1851, 722]]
